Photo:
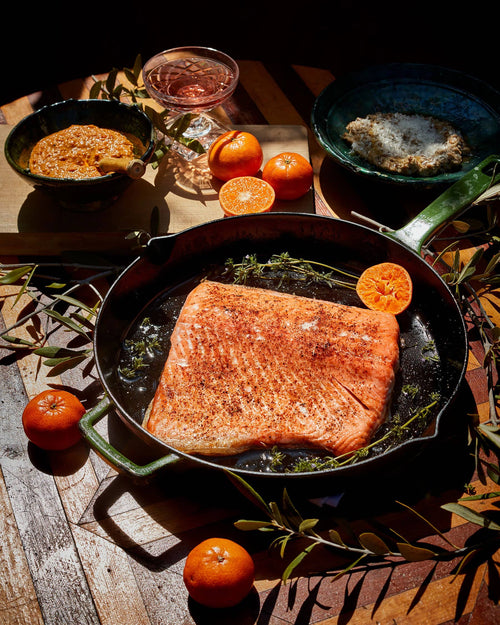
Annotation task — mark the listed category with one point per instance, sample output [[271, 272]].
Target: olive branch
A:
[[168, 130], [78, 317], [288, 525]]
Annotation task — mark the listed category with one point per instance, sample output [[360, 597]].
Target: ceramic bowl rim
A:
[[52, 181]]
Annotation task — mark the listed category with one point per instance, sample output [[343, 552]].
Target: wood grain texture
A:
[[33, 223], [84, 544], [17, 592]]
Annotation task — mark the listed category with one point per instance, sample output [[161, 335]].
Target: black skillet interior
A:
[[148, 296]]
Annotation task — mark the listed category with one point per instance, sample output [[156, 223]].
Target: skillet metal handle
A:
[[111, 455], [449, 204]]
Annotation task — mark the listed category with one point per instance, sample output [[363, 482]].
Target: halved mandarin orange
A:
[[386, 287], [245, 195]]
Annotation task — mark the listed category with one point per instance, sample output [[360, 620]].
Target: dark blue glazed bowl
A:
[[85, 194], [470, 105]]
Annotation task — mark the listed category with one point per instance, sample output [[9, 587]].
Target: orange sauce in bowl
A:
[[75, 152]]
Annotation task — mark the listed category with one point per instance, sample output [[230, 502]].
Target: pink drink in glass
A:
[[191, 84]]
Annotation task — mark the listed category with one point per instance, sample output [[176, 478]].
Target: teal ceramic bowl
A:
[[84, 194], [470, 105]]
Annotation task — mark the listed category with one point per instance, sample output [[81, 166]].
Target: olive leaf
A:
[[427, 522], [281, 543], [84, 321], [74, 302], [96, 90], [471, 516], [491, 432], [335, 538], [461, 226], [493, 471], [11, 277], [292, 515], [373, 543], [249, 492], [16, 341], [64, 364], [492, 263], [110, 81], [24, 287], [68, 322], [468, 556], [412, 553], [51, 351], [130, 76], [275, 513], [349, 567], [296, 561], [62, 358], [249, 526], [307, 525], [490, 495]]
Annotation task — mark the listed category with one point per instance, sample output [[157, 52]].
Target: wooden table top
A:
[[84, 544]]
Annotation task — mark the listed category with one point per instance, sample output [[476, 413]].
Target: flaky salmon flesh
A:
[[251, 368]]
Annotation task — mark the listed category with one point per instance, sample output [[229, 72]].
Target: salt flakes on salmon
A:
[[251, 368]]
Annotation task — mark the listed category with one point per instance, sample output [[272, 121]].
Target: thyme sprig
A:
[[288, 267], [392, 437], [140, 351]]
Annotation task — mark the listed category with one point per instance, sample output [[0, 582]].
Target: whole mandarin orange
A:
[[219, 573], [233, 154], [50, 419], [290, 175]]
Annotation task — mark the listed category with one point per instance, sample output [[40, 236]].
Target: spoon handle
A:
[[134, 168]]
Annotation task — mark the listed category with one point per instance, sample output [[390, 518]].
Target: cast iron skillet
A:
[[434, 340]]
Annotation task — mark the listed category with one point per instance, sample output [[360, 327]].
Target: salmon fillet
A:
[[251, 368]]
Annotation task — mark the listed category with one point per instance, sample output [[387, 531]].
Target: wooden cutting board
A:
[[33, 223]]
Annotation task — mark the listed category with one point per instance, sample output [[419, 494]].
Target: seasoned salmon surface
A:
[[251, 368]]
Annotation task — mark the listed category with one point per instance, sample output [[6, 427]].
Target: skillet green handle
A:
[[449, 204], [109, 453]]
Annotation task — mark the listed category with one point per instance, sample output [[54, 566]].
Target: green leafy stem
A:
[[287, 525], [289, 268], [170, 127], [78, 319]]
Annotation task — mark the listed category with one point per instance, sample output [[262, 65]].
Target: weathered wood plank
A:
[[18, 602], [266, 94], [15, 111], [114, 589], [316, 79], [43, 530]]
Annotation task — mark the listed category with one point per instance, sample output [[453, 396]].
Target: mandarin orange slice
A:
[[386, 287], [245, 195]]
